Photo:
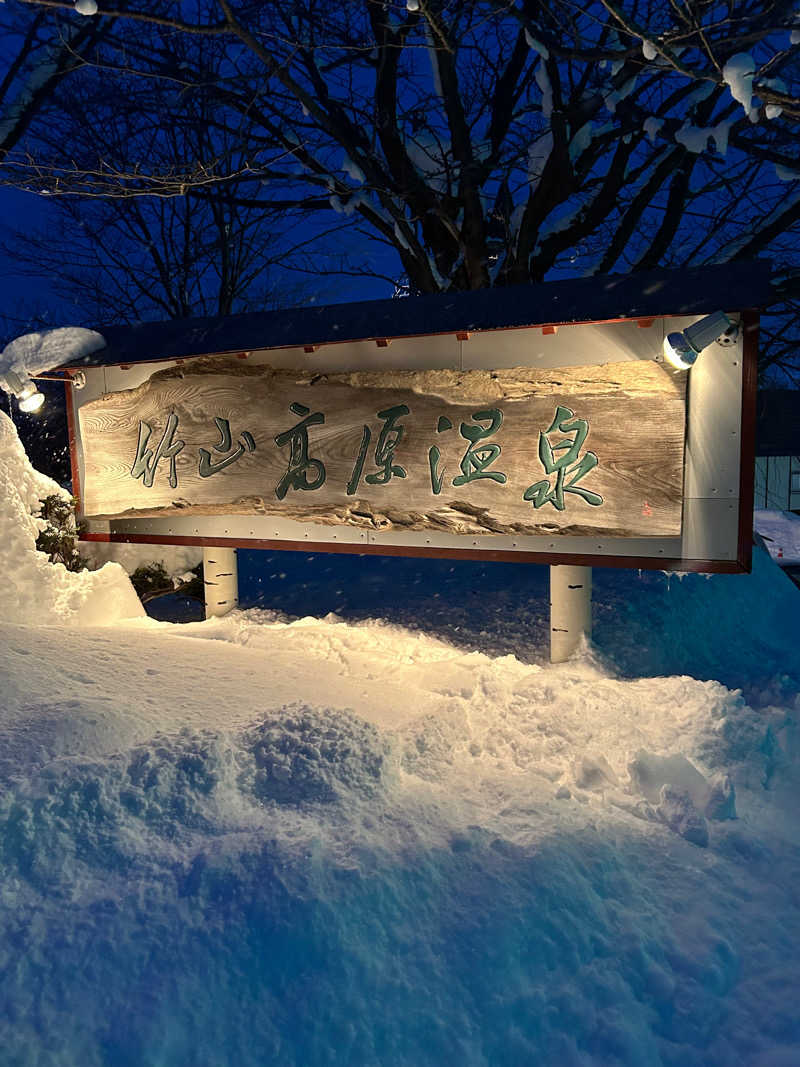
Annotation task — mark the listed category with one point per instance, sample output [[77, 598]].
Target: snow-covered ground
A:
[[780, 531], [339, 840]]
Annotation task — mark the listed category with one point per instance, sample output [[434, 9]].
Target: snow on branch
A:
[[738, 76], [37, 353]]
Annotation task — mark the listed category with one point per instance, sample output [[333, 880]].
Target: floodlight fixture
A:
[[28, 396], [31, 401], [681, 349]]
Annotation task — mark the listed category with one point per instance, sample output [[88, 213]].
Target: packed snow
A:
[[39, 352], [538, 157], [311, 838], [651, 126], [695, 139], [176, 559], [537, 45], [780, 533], [579, 142], [612, 99], [353, 171], [34, 591], [545, 88]]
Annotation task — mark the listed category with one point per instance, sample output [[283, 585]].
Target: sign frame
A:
[[735, 497]]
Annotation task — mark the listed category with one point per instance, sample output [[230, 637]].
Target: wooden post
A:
[[221, 580], [570, 610]]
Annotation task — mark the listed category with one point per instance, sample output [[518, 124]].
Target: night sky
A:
[[21, 294]]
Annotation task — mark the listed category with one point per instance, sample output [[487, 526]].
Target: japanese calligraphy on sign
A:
[[511, 451]]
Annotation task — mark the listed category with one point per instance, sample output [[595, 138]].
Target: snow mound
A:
[[256, 892], [227, 842], [672, 749], [679, 813], [651, 774], [34, 591], [315, 754], [740, 629]]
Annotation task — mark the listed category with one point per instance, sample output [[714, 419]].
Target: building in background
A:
[[777, 484]]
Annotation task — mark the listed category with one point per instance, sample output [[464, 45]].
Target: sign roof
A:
[[691, 291]]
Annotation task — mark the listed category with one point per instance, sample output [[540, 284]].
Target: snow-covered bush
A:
[[59, 535], [153, 579]]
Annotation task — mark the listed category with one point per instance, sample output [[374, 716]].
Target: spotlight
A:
[[31, 400], [28, 396], [682, 349]]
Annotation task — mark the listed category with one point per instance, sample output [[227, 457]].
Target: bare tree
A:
[[481, 143], [123, 259], [40, 54]]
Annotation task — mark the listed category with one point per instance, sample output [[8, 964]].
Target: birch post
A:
[[570, 610], [220, 580]]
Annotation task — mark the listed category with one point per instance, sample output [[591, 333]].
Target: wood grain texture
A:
[[635, 413]]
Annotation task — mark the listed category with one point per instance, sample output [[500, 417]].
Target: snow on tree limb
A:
[[39, 352]]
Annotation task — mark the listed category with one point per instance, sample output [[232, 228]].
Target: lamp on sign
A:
[[28, 396], [681, 349]]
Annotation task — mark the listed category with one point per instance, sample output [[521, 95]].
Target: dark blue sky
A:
[[21, 211], [23, 296]]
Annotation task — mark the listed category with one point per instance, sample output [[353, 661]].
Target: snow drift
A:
[[300, 842], [33, 590], [305, 842]]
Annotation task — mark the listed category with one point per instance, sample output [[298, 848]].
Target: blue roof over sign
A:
[[647, 294]]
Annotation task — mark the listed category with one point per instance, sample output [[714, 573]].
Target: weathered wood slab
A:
[[370, 448]]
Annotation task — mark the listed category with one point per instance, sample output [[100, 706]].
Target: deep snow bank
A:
[[299, 843], [740, 629], [310, 842], [34, 591]]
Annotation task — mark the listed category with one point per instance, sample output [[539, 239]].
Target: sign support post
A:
[[570, 610], [220, 580]]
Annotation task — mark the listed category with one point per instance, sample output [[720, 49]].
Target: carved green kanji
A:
[[478, 457], [569, 465], [147, 460], [208, 466], [296, 476]]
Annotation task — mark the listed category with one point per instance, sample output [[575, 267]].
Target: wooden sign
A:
[[578, 450]]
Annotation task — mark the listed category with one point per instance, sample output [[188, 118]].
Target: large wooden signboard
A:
[[568, 451]]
